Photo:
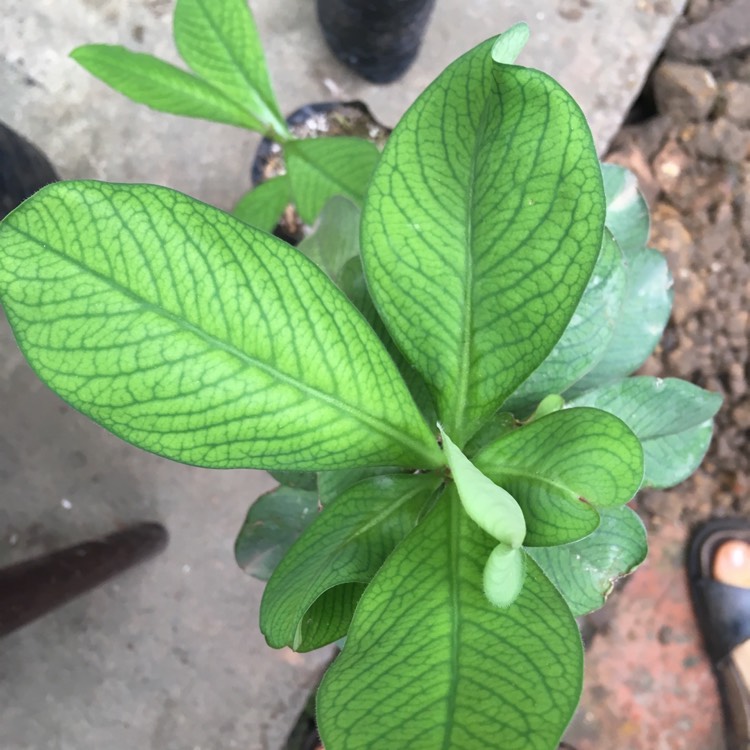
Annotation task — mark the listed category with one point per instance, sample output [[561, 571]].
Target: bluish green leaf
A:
[[627, 211], [335, 241], [481, 228], [645, 311], [430, 663], [672, 418], [346, 545], [320, 168], [161, 86], [220, 42], [262, 206], [585, 571], [197, 337], [273, 523], [560, 466], [587, 336], [300, 480]]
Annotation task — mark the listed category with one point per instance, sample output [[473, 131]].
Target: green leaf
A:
[[320, 168], [345, 545], [548, 405], [587, 336], [331, 484], [430, 663], [645, 311], [585, 571], [161, 86], [335, 241], [199, 338], [673, 420], [262, 206], [300, 480], [510, 43], [220, 42], [489, 506], [500, 424], [627, 211], [560, 466], [504, 575], [481, 228], [275, 520]]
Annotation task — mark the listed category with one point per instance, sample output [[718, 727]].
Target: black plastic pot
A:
[[23, 170], [378, 39]]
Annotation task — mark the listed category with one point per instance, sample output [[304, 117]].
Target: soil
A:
[[691, 151]]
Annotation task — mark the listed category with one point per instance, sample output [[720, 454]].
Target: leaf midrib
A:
[[240, 111], [464, 363], [526, 474], [455, 645], [270, 110], [385, 429]]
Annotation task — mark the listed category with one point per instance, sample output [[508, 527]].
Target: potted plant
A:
[[440, 382]]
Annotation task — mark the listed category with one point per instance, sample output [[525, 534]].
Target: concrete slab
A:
[[169, 656], [599, 50]]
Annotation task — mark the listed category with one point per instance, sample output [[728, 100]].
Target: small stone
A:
[[722, 33], [741, 414], [722, 140], [698, 10], [736, 98], [684, 91], [669, 165]]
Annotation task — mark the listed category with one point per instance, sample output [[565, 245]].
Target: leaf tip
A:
[[510, 43], [504, 574]]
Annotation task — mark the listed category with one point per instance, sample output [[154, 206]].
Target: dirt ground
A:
[[648, 682], [690, 148]]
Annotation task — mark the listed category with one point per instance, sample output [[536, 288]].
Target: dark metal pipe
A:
[[35, 587]]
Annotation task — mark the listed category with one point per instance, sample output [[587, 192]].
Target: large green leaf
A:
[[273, 523], [430, 663], [220, 42], [195, 336], [585, 571], [262, 206], [672, 418], [646, 306], [320, 168], [560, 466], [585, 339], [481, 228], [345, 545], [627, 211], [161, 86]]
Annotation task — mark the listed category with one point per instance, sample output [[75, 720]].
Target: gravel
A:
[[693, 160]]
